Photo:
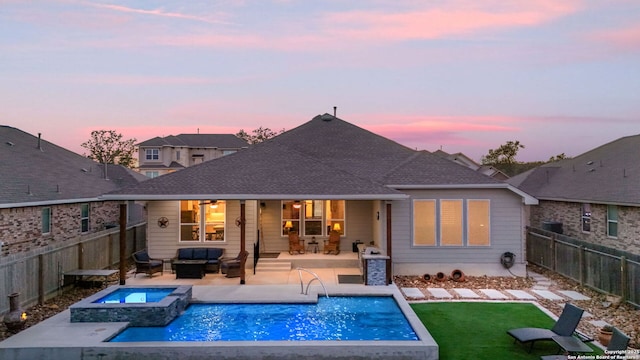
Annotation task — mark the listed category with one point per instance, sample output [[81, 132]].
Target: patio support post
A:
[[389, 277], [243, 247], [123, 244]]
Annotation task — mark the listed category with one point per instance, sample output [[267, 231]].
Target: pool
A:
[[335, 318], [60, 338], [135, 295]]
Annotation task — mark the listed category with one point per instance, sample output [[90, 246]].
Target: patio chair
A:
[[565, 326], [145, 264], [619, 341], [232, 267], [295, 243], [332, 244]]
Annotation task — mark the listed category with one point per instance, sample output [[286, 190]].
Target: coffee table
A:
[[189, 269]]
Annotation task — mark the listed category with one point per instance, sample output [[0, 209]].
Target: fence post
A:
[[623, 278], [581, 265], [554, 256], [40, 279]]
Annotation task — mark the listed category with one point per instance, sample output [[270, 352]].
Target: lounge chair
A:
[[619, 341], [295, 244], [232, 267], [565, 326], [145, 264], [332, 244]]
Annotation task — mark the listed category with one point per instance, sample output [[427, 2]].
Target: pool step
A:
[[273, 265]]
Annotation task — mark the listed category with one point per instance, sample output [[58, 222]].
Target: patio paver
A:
[[413, 292], [546, 294], [574, 295], [493, 294], [440, 293], [521, 294], [467, 293]]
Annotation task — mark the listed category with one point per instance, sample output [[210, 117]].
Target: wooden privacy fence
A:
[[38, 274], [605, 269]]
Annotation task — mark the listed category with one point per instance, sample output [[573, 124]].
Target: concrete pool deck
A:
[[58, 338]]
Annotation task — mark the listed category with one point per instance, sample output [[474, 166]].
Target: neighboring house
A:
[[162, 155], [463, 159], [429, 214], [594, 197], [49, 195]]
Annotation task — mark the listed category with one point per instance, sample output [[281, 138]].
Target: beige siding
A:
[[163, 242], [506, 229], [360, 217]]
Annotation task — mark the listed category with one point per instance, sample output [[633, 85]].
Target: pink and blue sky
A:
[[560, 76]]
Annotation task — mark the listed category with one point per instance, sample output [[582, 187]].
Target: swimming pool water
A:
[[135, 295], [335, 318]]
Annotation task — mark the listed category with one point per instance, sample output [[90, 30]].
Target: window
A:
[[177, 155], [228, 152], [46, 220], [336, 216], [586, 217], [151, 174], [202, 220], [312, 217], [478, 223], [424, 222], [612, 221], [291, 217], [451, 222], [84, 218], [152, 154]]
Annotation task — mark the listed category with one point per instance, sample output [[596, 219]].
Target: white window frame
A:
[[85, 219], [152, 174], [300, 222], [46, 225], [585, 217], [201, 224], [488, 224], [611, 221], [152, 154], [433, 220]]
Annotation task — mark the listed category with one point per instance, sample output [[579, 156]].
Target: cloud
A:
[[451, 19], [155, 13], [623, 39]]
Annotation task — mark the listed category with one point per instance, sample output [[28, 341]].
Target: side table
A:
[[312, 245]]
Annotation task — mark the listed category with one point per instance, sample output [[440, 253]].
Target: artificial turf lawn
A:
[[478, 330]]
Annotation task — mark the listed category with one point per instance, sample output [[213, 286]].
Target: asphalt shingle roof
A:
[[607, 174], [29, 174], [322, 158]]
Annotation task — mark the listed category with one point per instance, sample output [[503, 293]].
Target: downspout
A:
[[389, 252], [123, 244]]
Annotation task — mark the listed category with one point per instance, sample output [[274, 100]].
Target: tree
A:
[[259, 135], [107, 147], [558, 157], [505, 154]]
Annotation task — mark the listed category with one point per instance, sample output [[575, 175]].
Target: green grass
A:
[[477, 330]]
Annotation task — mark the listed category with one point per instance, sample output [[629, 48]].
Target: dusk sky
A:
[[560, 76]]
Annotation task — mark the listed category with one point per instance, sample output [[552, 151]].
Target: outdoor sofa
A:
[[212, 255]]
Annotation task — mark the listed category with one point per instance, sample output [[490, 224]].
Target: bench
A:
[[78, 275]]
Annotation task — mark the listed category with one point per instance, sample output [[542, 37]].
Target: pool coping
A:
[[57, 337]]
